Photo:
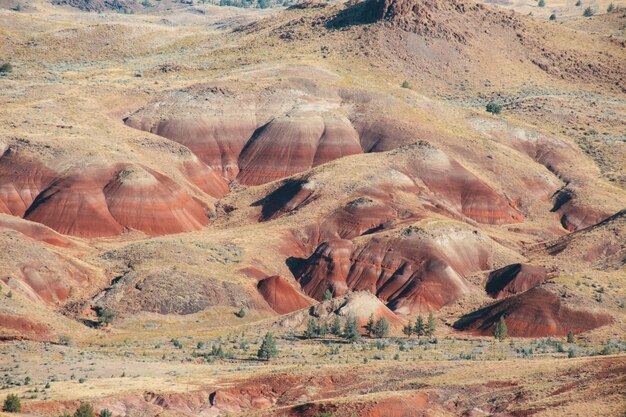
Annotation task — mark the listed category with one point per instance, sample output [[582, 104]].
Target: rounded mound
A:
[[281, 296], [534, 313], [142, 199]]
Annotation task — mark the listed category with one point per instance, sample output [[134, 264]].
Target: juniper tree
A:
[[311, 329], [381, 328], [370, 325], [335, 327], [408, 329], [570, 337], [500, 330], [431, 325], [419, 326], [322, 328], [268, 349], [351, 330]]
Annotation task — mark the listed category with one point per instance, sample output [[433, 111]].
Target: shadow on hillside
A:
[[361, 13]]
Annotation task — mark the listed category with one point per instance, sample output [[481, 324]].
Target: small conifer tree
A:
[[351, 330], [408, 329], [431, 325], [419, 326], [311, 329], [500, 330], [268, 349], [381, 328], [335, 327], [370, 325]]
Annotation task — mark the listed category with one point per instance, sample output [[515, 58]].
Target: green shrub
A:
[[405, 84], [241, 313], [588, 12], [610, 8], [552, 16], [12, 404], [493, 108], [85, 410], [541, 3], [106, 413], [105, 315]]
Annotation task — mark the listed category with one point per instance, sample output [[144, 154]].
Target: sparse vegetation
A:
[[328, 295], [241, 313], [588, 12], [65, 340], [570, 337], [405, 84], [610, 8]]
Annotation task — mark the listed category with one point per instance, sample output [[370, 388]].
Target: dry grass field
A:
[[208, 173]]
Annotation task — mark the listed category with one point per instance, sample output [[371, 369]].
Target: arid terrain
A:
[[179, 180]]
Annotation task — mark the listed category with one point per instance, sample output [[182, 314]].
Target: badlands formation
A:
[[178, 179]]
